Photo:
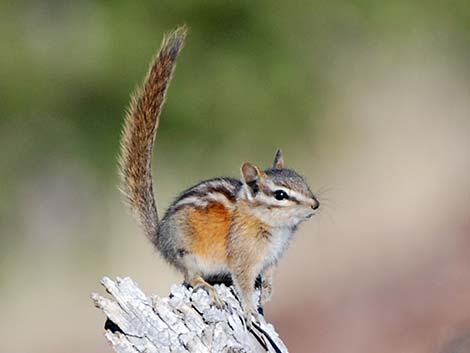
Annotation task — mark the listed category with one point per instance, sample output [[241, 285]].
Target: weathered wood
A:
[[186, 321]]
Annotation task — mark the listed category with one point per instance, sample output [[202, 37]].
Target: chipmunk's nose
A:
[[316, 204]]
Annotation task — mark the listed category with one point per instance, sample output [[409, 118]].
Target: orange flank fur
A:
[[210, 228]]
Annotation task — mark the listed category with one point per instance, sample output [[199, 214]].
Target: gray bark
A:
[[186, 321]]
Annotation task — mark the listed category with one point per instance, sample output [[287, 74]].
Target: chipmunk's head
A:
[[279, 196]]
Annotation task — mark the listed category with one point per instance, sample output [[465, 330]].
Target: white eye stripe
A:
[[273, 187]]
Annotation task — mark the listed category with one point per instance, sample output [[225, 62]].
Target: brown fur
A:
[[139, 132]]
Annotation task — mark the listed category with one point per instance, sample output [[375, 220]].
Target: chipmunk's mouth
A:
[[310, 215]]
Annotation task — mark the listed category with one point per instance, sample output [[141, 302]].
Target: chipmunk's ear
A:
[[278, 160], [252, 176]]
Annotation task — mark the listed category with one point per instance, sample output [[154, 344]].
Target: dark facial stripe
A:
[[294, 200]]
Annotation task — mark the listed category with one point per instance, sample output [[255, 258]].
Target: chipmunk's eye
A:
[[281, 195]]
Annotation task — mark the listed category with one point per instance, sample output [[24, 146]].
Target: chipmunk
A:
[[221, 226]]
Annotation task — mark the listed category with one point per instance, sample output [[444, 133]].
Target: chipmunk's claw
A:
[[249, 318]]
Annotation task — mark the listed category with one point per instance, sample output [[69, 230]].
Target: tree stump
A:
[[185, 321]]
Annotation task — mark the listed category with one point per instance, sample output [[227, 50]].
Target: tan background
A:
[[370, 101]]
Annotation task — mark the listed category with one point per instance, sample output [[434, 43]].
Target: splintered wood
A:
[[185, 321]]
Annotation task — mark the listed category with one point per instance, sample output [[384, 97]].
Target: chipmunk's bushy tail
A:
[[139, 132]]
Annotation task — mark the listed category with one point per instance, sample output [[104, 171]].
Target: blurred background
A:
[[369, 100]]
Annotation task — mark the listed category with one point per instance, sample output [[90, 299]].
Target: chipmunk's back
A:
[[196, 226]]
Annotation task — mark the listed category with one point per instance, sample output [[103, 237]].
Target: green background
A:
[[369, 100]]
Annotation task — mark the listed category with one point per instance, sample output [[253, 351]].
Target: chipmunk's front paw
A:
[[219, 303], [216, 299]]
